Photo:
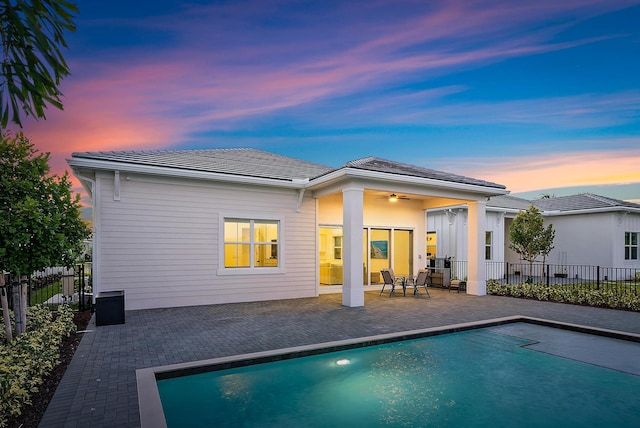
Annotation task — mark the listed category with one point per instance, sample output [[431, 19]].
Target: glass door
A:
[[379, 256], [403, 252], [331, 264]]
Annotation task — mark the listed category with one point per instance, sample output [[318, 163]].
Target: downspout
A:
[[300, 191], [300, 196]]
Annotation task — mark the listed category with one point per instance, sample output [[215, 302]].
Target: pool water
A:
[[476, 378]]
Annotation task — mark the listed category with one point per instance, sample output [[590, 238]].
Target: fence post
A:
[[547, 266], [81, 286], [597, 277], [5, 306]]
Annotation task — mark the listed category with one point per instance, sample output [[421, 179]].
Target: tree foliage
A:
[[40, 217], [32, 33], [529, 238]]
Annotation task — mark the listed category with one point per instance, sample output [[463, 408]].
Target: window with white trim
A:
[[251, 243], [631, 245], [487, 245]]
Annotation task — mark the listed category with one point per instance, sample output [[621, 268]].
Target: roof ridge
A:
[[605, 199], [360, 161]]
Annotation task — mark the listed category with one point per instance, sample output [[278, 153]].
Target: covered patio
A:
[[357, 198]]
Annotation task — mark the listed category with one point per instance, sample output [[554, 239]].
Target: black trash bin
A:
[[110, 307]]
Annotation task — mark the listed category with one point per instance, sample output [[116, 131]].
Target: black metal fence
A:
[[54, 286], [622, 280]]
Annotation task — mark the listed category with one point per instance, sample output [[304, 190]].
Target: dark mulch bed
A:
[[32, 414]]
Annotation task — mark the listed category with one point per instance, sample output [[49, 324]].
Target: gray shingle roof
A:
[[508, 201], [256, 163], [240, 162], [391, 167], [584, 201]]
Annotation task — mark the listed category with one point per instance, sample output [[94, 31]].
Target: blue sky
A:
[[535, 95]]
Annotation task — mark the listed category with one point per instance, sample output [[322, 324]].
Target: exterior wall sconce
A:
[[393, 197]]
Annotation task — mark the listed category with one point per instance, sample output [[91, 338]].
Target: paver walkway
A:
[[99, 387]]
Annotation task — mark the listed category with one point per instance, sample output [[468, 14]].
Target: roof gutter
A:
[[552, 213]]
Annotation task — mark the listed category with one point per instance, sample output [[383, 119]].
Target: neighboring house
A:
[[190, 227], [590, 230]]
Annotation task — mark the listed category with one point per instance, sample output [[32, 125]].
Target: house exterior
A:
[[191, 227], [590, 230]]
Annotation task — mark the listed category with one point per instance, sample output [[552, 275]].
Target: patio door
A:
[[331, 264], [403, 252], [384, 248]]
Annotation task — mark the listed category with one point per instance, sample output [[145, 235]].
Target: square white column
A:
[[352, 217], [477, 226]]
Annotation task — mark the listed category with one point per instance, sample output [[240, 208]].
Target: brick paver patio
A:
[[99, 388]]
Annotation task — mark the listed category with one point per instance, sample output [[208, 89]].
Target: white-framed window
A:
[[488, 238], [251, 243], [631, 245]]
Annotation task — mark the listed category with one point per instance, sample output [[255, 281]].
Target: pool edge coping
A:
[[150, 406]]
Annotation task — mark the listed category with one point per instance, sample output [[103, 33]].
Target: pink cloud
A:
[[550, 170], [218, 74]]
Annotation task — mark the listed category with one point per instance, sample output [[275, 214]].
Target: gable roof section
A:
[[397, 168], [582, 202], [239, 162]]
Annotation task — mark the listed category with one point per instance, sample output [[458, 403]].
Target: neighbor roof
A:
[[391, 167], [508, 201], [239, 161], [584, 201]]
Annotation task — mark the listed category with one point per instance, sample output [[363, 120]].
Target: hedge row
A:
[[26, 360], [567, 294]]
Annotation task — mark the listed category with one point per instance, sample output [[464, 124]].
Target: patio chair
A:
[[420, 281], [390, 279]]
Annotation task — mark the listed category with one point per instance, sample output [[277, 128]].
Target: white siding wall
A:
[[159, 242], [585, 239], [452, 235], [447, 227], [510, 256], [593, 239], [624, 223]]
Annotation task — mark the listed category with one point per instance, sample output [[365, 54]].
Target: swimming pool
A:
[[502, 375]]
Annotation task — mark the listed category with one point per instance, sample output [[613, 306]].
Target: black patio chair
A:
[[420, 281], [390, 279]]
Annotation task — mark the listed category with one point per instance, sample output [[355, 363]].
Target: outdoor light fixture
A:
[[343, 362], [393, 197]]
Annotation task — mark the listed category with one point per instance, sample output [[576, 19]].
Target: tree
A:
[[32, 33], [546, 242], [529, 238], [40, 217]]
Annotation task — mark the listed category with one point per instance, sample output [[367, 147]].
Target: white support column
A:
[[477, 226], [352, 212]]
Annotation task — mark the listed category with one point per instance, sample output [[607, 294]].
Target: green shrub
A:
[[567, 294], [26, 360]]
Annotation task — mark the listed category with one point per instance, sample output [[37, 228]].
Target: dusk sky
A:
[[535, 95]]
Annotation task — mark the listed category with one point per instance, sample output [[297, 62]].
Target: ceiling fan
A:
[[394, 198]]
